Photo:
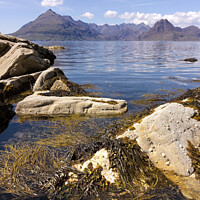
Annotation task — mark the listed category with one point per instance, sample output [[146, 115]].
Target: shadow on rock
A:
[[6, 114]]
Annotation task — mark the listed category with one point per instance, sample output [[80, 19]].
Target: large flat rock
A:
[[39, 105], [164, 134]]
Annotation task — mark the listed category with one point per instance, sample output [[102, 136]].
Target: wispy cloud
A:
[[143, 4], [51, 3], [2, 2], [110, 14], [181, 19], [88, 15]]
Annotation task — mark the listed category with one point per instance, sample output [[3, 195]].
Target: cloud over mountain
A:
[[181, 19], [110, 14], [51, 3], [88, 15]]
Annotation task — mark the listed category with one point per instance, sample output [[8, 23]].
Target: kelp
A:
[[47, 166], [194, 154], [155, 99], [28, 171]]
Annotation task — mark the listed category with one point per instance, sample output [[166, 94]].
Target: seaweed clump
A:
[[194, 154], [48, 168]]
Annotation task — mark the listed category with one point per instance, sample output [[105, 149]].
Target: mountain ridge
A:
[[52, 26], [163, 30]]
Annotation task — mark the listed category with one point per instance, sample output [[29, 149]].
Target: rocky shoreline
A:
[[25, 66], [142, 155]]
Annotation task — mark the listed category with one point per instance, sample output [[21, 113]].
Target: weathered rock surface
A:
[[45, 80], [59, 85], [164, 134], [20, 57], [54, 79], [38, 105], [16, 85]]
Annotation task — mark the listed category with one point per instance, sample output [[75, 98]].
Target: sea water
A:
[[121, 69]]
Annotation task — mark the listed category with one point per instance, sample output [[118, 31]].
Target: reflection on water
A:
[[125, 70]]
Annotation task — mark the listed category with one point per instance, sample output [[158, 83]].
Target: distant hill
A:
[[54, 27], [163, 30]]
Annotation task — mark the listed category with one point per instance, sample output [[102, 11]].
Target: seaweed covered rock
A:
[[55, 48], [19, 57], [40, 105], [164, 134]]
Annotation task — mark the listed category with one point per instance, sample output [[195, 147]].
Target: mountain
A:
[[52, 26], [122, 31], [163, 30]]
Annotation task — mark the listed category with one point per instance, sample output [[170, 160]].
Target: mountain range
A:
[[54, 27]]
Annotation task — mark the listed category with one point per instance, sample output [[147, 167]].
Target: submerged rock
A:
[[191, 60], [19, 57], [55, 47], [166, 132], [40, 105]]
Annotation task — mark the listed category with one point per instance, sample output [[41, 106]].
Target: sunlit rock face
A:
[[164, 134], [101, 158], [40, 105], [19, 57]]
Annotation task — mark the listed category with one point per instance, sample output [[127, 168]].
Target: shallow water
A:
[[124, 70]]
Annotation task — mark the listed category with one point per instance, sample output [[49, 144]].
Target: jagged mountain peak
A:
[[163, 26], [49, 12]]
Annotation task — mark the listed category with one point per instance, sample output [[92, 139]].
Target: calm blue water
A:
[[124, 70]]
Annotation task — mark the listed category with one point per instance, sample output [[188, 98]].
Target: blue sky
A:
[[15, 13]]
